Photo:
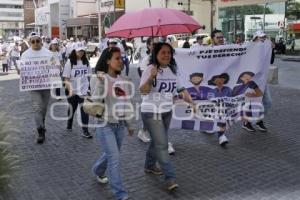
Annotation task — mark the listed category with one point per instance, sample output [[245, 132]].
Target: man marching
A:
[[39, 98]]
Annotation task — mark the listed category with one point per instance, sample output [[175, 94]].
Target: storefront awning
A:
[[82, 21], [294, 27], [229, 3]]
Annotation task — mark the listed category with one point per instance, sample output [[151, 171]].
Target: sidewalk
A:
[[288, 57], [255, 166]]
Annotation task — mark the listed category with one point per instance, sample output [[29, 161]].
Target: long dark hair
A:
[[148, 42], [57, 48], [73, 58], [106, 55], [123, 42], [153, 61]]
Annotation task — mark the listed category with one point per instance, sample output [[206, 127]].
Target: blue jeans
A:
[[158, 149], [110, 138], [126, 64]]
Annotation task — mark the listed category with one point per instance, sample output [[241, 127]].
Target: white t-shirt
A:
[[196, 46], [70, 47], [5, 60], [79, 77], [46, 45], [142, 49], [116, 85], [57, 55], [43, 52], [145, 62], [15, 52], [103, 44], [160, 97], [120, 46]]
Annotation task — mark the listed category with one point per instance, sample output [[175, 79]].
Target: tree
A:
[[293, 10]]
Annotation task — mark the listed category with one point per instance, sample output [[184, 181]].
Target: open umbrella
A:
[[153, 22]]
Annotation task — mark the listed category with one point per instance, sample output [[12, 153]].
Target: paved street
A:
[[255, 166]]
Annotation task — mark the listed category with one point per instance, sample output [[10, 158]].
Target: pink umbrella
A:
[[153, 22]]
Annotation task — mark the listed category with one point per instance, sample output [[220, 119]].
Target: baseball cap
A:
[[259, 33], [54, 41], [78, 46], [34, 34]]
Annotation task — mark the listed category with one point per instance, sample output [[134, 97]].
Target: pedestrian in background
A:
[[186, 44], [4, 62], [55, 50], [15, 55]]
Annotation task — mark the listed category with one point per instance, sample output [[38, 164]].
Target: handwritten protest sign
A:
[[39, 74]]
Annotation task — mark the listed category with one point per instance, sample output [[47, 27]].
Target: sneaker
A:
[[172, 185], [223, 140], [260, 125], [209, 132], [102, 179], [125, 198], [143, 135], [86, 134], [171, 149], [248, 127], [154, 170]]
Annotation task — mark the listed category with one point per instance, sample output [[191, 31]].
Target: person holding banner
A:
[[221, 91], [251, 90], [77, 72], [111, 88], [159, 84], [217, 37], [260, 36], [39, 98]]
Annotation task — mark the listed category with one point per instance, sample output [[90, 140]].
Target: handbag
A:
[[95, 109]]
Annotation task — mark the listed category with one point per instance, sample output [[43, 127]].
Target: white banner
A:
[[226, 82], [39, 74]]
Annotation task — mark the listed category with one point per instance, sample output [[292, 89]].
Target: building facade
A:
[[29, 17], [241, 18], [11, 18]]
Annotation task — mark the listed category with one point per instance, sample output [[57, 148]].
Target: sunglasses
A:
[[35, 41]]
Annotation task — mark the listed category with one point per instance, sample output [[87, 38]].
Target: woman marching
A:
[[55, 50], [114, 90], [77, 74], [159, 84]]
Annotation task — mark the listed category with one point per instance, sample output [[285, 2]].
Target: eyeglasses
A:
[[35, 41]]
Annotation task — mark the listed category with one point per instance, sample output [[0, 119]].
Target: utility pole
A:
[[211, 15], [99, 20], [264, 16], [149, 3]]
